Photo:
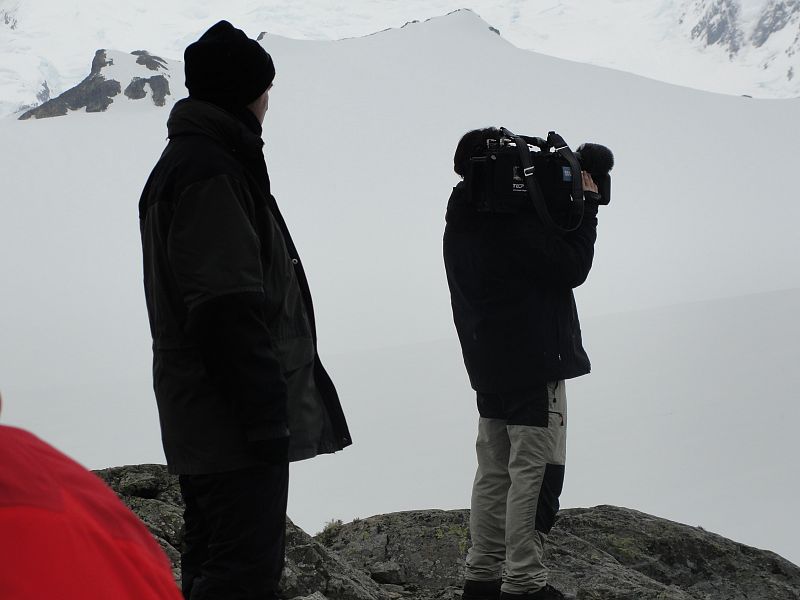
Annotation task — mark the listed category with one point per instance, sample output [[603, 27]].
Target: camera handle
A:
[[554, 141]]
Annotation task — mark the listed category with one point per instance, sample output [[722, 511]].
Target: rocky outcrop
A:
[[770, 38], [151, 61], [718, 24], [422, 551], [159, 87], [688, 561], [8, 19], [777, 14], [95, 94], [111, 72], [601, 553], [155, 497]]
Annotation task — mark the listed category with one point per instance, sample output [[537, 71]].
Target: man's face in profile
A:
[[260, 105]]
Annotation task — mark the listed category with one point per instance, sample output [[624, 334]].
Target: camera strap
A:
[[556, 141]]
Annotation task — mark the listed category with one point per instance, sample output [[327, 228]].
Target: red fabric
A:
[[64, 534]]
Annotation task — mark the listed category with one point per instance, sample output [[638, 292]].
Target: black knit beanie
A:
[[227, 68]]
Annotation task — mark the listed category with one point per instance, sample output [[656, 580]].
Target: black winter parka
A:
[[511, 284], [235, 367]]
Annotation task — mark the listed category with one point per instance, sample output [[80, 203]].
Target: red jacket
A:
[[64, 534]]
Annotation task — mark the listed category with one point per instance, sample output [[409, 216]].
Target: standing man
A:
[[511, 281], [240, 388]]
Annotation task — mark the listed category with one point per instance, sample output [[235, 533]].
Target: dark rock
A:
[[719, 25], [141, 485], [393, 588], [9, 19], [601, 553], [43, 95], [311, 567], [424, 548], [135, 89], [795, 47], [94, 93], [387, 572], [151, 61], [159, 87], [775, 16], [155, 497], [697, 562], [99, 61]]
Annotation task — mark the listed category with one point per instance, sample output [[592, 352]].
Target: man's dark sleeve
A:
[[564, 259], [214, 253]]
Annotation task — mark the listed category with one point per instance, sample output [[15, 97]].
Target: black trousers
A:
[[528, 407], [235, 538]]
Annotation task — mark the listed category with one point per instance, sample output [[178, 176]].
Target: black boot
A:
[[548, 592], [482, 590]]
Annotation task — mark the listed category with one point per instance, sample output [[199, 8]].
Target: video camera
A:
[[512, 173]]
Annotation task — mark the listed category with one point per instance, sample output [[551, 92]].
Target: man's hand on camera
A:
[[590, 191], [588, 183]]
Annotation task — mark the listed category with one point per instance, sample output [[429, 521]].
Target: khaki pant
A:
[[521, 450]]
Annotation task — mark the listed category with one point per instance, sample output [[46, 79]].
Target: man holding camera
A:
[[511, 278]]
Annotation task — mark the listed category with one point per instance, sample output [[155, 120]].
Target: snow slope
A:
[[689, 313], [45, 45]]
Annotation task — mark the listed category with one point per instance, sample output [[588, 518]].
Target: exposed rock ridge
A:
[[94, 93], [719, 25], [601, 553], [151, 61], [719, 22], [774, 35], [9, 19], [155, 497], [777, 15], [98, 91]]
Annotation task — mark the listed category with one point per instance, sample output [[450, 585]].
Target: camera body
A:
[[497, 181]]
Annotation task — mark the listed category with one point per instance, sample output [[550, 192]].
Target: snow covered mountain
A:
[[726, 24], [767, 35], [730, 46], [689, 315]]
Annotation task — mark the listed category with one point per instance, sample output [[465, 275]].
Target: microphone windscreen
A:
[[596, 159]]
